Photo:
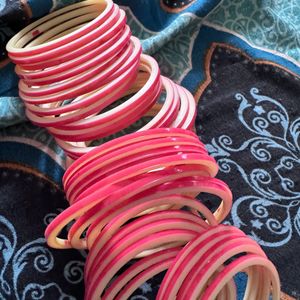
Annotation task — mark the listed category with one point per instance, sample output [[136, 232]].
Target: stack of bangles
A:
[[133, 199]]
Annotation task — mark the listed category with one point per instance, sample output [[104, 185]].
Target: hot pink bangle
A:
[[153, 135], [94, 80], [182, 236], [15, 48], [96, 241], [187, 284], [88, 207], [132, 106], [104, 53], [154, 263], [119, 159], [94, 188], [118, 23]]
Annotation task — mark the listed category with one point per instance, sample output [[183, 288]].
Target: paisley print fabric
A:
[[28, 268], [271, 24], [255, 140], [241, 60]]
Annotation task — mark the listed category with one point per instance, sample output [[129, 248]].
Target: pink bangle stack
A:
[[127, 196], [76, 62]]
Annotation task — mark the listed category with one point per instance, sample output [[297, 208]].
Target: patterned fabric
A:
[[271, 24], [241, 61], [13, 17]]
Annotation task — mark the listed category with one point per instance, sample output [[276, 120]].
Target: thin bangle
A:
[[66, 45], [30, 30], [91, 201], [106, 52], [245, 263], [102, 37], [94, 215], [75, 87], [163, 258], [167, 236], [152, 134], [126, 155], [183, 264], [114, 224]]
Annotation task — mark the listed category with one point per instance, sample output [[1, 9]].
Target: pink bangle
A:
[[126, 196], [96, 201], [92, 191], [93, 202], [117, 26], [113, 120], [152, 134], [135, 274], [96, 241], [104, 53], [186, 273], [125, 157], [15, 47], [70, 89], [188, 109], [95, 288]]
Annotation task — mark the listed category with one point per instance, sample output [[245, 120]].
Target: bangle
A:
[[15, 46], [97, 286], [105, 52], [91, 197], [203, 257], [133, 209], [93, 80], [116, 26], [117, 118], [97, 197], [123, 157], [187, 114], [132, 199], [133, 138], [140, 272]]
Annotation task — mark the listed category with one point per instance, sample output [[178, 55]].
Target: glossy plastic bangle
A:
[[126, 157], [71, 88], [104, 53], [152, 135], [211, 250], [16, 44], [114, 24]]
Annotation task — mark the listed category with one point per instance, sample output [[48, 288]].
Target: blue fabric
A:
[[39, 9]]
